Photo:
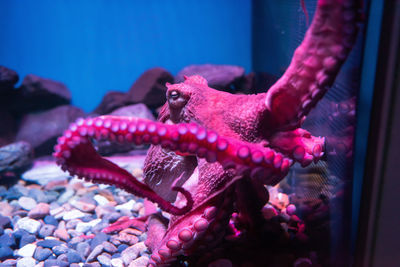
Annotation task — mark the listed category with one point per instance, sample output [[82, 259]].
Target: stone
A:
[[16, 157], [122, 247], [60, 249], [5, 252], [26, 262], [55, 262], [98, 239], [101, 200], [150, 88], [43, 172], [111, 101], [50, 220], [40, 94], [29, 225], [42, 129], [84, 204], [139, 262], [46, 230], [42, 254], [126, 206], [73, 256], [95, 252], [128, 238], [38, 195], [117, 262], [83, 249], [26, 239], [27, 203], [132, 252], [49, 243], [8, 78], [138, 110], [73, 214], [108, 247], [62, 234], [27, 250], [7, 239], [5, 221], [220, 77], [9, 263], [104, 260], [40, 211]]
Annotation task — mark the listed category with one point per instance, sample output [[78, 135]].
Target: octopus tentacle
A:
[[315, 64], [76, 154]]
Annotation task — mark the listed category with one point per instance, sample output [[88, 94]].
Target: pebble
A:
[[50, 220], [98, 239], [73, 256], [108, 247], [127, 238], [122, 247], [104, 260], [26, 239], [84, 227], [40, 211], [5, 252], [95, 252], [73, 214], [26, 262], [27, 203], [62, 234], [58, 250], [5, 221], [84, 204], [126, 206], [38, 195], [5, 209], [117, 262], [46, 230], [101, 200], [49, 243], [66, 196], [30, 225], [291, 209], [55, 262], [139, 262], [42, 254], [7, 239], [83, 249], [9, 262], [133, 252], [27, 250]]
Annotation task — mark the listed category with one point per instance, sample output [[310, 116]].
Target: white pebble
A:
[[27, 203], [26, 262], [27, 250], [27, 224], [141, 261], [73, 214], [117, 262], [101, 200], [126, 206]]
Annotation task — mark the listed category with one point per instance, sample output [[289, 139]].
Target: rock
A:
[[104, 260], [15, 157], [42, 129], [150, 88], [117, 262], [29, 225], [50, 220], [73, 214], [26, 262], [41, 94], [98, 239], [60, 249], [127, 206], [38, 195], [4, 220], [46, 230], [83, 249], [122, 247], [95, 252], [40, 211], [27, 250], [138, 110], [66, 196], [101, 200], [62, 234], [8, 78], [5, 252], [7, 134], [27, 203], [139, 262], [7, 239], [111, 101], [84, 204], [42, 254], [26, 239], [128, 238], [108, 247], [49, 243], [55, 262], [9, 263], [132, 252], [73, 256], [218, 76]]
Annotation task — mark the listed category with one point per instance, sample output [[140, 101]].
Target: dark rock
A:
[[5, 221], [116, 255], [58, 250], [98, 239], [150, 88], [15, 157], [73, 256], [7, 240], [7, 134], [46, 230], [26, 239], [42, 254], [122, 247], [18, 234], [8, 78], [42, 129], [13, 194], [108, 247], [50, 220], [112, 101], [49, 243], [38, 195], [5, 252], [41, 94], [220, 77], [83, 249]]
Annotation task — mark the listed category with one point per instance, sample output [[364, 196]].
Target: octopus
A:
[[213, 153]]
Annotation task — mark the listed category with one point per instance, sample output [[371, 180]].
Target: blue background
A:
[[97, 46]]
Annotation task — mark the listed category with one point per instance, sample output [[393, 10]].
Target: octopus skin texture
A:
[[212, 152]]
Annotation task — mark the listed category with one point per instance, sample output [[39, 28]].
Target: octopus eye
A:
[[174, 95]]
